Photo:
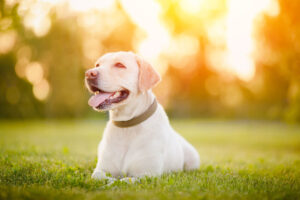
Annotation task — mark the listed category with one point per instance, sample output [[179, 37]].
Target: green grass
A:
[[240, 160]]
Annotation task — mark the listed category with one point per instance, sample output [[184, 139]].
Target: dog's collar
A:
[[139, 119]]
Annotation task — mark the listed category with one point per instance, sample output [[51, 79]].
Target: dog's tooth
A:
[[116, 94]]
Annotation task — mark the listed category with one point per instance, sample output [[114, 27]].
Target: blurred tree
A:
[[57, 57], [279, 61], [16, 98], [42, 72]]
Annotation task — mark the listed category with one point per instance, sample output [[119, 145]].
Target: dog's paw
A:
[[99, 175], [129, 180]]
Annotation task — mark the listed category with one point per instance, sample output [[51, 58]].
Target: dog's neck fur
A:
[[134, 108]]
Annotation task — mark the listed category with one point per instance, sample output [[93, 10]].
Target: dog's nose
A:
[[91, 74]]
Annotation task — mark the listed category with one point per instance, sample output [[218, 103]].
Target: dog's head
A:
[[117, 78]]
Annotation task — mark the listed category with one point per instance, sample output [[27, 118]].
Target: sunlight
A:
[[182, 48], [41, 90], [159, 46], [239, 23], [239, 38], [156, 41], [84, 6], [146, 15], [36, 17], [34, 72], [7, 41], [191, 6], [23, 59]]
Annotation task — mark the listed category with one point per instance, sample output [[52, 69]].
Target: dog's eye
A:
[[97, 65], [119, 65]]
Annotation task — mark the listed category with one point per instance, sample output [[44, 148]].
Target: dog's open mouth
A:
[[102, 99]]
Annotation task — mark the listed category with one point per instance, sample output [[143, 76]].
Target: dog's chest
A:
[[115, 152]]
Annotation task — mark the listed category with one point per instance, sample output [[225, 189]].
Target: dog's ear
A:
[[148, 77]]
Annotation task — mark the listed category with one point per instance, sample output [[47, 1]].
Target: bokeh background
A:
[[236, 59]]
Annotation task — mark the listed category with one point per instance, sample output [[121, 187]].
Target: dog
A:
[[138, 139]]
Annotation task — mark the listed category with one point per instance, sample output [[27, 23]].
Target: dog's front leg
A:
[[129, 179], [98, 174]]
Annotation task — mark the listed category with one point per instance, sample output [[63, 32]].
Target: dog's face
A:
[[117, 78]]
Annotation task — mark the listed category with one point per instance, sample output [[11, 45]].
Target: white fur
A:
[[147, 149]]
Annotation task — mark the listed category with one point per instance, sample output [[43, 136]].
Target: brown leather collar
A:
[[139, 119]]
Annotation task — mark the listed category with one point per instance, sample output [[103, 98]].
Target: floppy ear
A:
[[148, 77]]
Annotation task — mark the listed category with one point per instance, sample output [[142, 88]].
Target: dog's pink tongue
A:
[[97, 99]]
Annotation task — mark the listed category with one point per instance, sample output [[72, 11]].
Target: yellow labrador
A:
[[138, 139]]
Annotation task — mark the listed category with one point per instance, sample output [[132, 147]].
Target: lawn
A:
[[239, 160]]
